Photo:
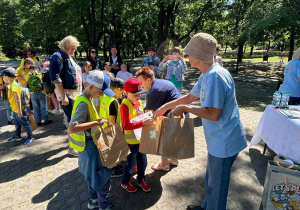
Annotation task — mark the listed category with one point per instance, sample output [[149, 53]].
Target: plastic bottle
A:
[[276, 99]]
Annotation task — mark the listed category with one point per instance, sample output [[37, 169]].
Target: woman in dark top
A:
[[93, 59]]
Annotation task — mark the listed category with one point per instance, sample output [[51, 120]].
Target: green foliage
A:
[[10, 33]]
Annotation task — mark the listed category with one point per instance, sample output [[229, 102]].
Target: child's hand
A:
[[65, 101], [101, 122], [148, 122]]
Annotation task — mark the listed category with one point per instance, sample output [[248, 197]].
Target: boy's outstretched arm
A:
[[85, 126]]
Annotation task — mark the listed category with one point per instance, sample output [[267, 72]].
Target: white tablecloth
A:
[[280, 133]]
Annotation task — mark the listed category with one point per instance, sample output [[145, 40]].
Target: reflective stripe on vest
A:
[[77, 140], [129, 134]]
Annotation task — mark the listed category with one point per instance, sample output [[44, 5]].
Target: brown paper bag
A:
[[111, 145], [32, 122], [150, 139], [177, 137], [50, 104]]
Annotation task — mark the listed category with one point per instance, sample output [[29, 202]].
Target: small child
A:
[[124, 74], [38, 96], [19, 114], [131, 108], [84, 124], [107, 68], [110, 110], [23, 71], [87, 67], [52, 94]]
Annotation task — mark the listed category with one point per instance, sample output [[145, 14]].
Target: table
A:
[[280, 133]]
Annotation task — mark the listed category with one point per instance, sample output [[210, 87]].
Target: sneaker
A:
[[10, 122], [15, 138], [135, 168], [173, 162], [92, 204], [146, 187], [48, 122], [129, 187], [116, 172], [29, 140], [160, 167]]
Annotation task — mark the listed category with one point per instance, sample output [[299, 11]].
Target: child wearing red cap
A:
[[131, 108]]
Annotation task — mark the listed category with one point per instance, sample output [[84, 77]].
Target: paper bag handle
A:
[[288, 186]]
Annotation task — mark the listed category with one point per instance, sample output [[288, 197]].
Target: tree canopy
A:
[[135, 25]]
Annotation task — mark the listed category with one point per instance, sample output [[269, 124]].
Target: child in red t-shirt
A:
[[131, 108]]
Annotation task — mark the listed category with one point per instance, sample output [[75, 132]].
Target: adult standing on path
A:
[[66, 75], [30, 53], [291, 81], [114, 60], [223, 130], [160, 92], [152, 61], [175, 67], [93, 59]]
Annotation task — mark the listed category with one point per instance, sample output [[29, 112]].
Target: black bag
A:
[[48, 86]]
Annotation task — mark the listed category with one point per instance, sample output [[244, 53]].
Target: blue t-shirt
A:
[[215, 88], [291, 82], [161, 92]]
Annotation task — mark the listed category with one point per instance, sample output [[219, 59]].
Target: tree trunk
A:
[[240, 52], [251, 51], [46, 27], [245, 48], [269, 45], [128, 52], [292, 43], [104, 47], [226, 47], [132, 52], [124, 54]]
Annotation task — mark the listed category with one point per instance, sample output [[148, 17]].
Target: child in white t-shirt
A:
[[124, 74], [87, 67]]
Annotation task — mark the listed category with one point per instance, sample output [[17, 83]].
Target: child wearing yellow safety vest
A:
[[110, 110], [84, 124], [131, 108]]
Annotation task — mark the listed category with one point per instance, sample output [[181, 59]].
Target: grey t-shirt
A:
[[96, 101], [80, 116]]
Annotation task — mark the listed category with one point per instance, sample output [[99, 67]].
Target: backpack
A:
[[48, 85], [25, 95], [35, 83]]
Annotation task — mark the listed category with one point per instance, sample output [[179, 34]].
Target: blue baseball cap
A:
[[100, 80]]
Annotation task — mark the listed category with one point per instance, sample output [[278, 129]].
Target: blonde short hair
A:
[[67, 42], [296, 54]]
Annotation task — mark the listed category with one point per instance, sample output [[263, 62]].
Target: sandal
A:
[[73, 152], [160, 167]]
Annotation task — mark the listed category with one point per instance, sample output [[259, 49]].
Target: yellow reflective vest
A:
[[77, 140], [129, 134], [104, 109]]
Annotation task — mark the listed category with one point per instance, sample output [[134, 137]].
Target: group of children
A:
[[25, 87], [86, 121], [124, 74]]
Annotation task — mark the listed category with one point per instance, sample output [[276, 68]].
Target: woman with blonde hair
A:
[[291, 81], [66, 75]]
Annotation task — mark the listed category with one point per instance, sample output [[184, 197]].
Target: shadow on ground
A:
[[65, 192]]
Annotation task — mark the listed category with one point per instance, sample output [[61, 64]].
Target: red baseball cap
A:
[[134, 86]]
